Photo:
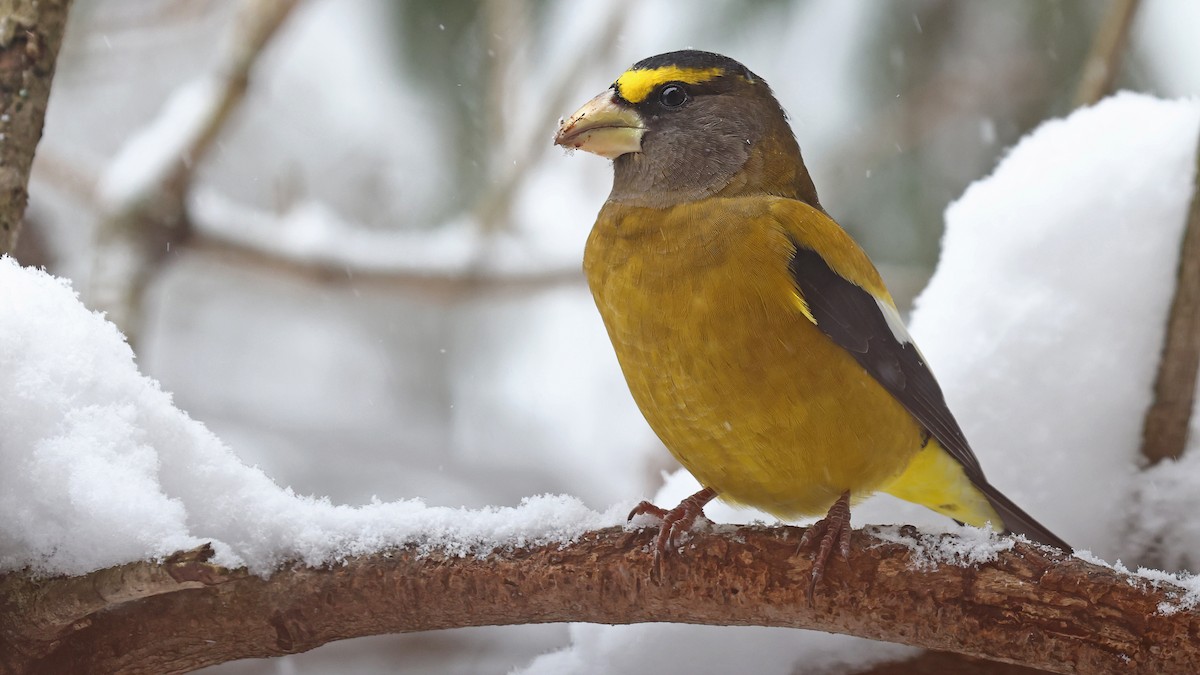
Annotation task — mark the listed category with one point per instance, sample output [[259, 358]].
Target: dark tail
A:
[[1017, 521]]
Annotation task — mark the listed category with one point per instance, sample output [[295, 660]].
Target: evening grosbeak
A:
[[756, 336]]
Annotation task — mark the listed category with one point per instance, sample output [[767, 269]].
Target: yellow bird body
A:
[[741, 386], [756, 337]]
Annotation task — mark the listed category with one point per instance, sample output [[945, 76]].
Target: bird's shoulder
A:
[[767, 227], [812, 230]]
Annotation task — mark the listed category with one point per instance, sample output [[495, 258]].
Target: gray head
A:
[[686, 125]]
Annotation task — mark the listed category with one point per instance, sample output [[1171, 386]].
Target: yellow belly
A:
[[748, 394]]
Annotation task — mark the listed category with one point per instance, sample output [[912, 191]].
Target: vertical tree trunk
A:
[[31, 33]]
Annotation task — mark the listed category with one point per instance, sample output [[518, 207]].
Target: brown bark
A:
[[1165, 431], [31, 32], [1045, 610]]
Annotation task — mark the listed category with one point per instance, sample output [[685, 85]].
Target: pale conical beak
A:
[[603, 126]]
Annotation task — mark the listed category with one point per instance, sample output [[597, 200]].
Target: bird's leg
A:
[[678, 519], [834, 527]]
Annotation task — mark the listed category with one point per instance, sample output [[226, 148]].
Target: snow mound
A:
[[1045, 318], [101, 468]]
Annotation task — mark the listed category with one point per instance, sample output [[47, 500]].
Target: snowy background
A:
[[372, 141]]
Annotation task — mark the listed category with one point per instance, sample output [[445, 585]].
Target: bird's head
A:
[[686, 125]]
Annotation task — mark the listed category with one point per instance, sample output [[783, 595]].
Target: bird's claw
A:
[[677, 520], [833, 529], [647, 508]]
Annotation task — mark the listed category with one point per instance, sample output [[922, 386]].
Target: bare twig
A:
[[143, 226], [1104, 58], [449, 285], [1027, 606], [31, 32], [1165, 430], [143, 220], [506, 24], [495, 206]]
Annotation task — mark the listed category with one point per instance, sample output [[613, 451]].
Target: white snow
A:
[[102, 469], [662, 648], [311, 231], [969, 547], [1166, 498], [1164, 37], [140, 166], [1184, 600], [1181, 588], [1045, 317]]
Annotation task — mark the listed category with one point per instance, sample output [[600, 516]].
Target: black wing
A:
[[852, 318]]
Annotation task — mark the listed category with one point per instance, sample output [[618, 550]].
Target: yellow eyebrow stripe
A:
[[635, 85]]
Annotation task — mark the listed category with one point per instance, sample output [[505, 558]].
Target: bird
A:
[[755, 335]]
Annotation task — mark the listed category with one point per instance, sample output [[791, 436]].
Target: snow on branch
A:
[[312, 241], [996, 598]]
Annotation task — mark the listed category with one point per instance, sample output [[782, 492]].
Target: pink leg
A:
[[679, 519], [834, 527]]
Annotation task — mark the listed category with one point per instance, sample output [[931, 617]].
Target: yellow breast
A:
[[750, 396]]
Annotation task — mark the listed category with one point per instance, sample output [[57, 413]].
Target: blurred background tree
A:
[[373, 286]]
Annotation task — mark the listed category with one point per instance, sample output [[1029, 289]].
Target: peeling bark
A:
[[1029, 606]]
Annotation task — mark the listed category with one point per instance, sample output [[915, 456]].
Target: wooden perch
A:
[[1031, 607], [31, 33]]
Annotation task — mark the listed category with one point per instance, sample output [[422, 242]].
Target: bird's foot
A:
[[833, 529], [677, 520], [647, 508]]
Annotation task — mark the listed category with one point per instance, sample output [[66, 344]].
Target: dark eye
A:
[[672, 96]]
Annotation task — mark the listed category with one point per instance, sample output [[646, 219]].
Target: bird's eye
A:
[[672, 96]]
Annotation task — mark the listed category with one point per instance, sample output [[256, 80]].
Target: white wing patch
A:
[[894, 322], [896, 325]]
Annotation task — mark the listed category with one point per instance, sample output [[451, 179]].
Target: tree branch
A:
[[447, 285], [1104, 58], [1027, 606], [144, 218], [1165, 430], [494, 207], [31, 32]]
